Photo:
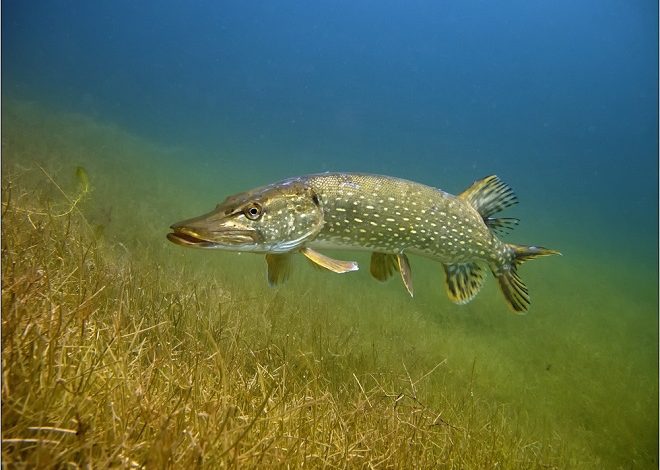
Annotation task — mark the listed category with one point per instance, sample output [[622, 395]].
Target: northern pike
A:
[[389, 217]]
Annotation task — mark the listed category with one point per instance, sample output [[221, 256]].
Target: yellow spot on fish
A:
[[358, 220]]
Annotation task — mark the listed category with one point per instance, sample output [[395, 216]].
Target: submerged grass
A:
[[111, 362], [120, 349]]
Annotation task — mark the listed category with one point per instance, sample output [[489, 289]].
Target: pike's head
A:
[[276, 218]]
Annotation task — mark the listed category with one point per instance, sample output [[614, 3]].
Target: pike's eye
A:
[[253, 211]]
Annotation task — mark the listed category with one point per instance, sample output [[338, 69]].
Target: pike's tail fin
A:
[[513, 288]]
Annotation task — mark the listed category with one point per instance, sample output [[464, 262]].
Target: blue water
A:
[[558, 98], [562, 96]]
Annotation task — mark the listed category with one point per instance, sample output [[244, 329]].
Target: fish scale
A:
[[393, 215], [387, 216]]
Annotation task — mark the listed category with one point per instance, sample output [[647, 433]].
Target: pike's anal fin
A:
[[384, 265], [331, 264], [463, 281], [279, 268]]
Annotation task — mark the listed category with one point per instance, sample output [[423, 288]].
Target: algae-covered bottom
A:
[[146, 354]]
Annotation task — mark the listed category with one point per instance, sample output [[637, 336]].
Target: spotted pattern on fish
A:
[[390, 217]]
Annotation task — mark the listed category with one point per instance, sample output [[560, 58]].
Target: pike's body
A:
[[389, 217]]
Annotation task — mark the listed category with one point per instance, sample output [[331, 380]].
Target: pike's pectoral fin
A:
[[279, 268], [463, 281], [331, 264], [384, 265]]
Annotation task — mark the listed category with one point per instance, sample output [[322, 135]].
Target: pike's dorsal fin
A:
[[279, 268], [502, 225], [489, 196], [384, 265], [463, 281], [331, 264]]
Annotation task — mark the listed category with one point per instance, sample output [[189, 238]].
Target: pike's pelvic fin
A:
[[384, 265]]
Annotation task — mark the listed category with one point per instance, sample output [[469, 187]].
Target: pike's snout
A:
[[212, 230]]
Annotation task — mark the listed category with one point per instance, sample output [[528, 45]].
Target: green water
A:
[[580, 369]]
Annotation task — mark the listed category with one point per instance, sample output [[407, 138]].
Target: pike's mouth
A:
[[181, 238], [220, 239]]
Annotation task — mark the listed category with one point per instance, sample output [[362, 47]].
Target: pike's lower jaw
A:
[[225, 239], [183, 237]]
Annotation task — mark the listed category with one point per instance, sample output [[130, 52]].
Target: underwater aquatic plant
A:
[[83, 179], [148, 356], [142, 365]]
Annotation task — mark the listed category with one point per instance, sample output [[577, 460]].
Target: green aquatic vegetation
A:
[[148, 355], [83, 179], [128, 363]]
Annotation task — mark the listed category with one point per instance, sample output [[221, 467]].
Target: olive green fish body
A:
[[389, 217], [392, 215]]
